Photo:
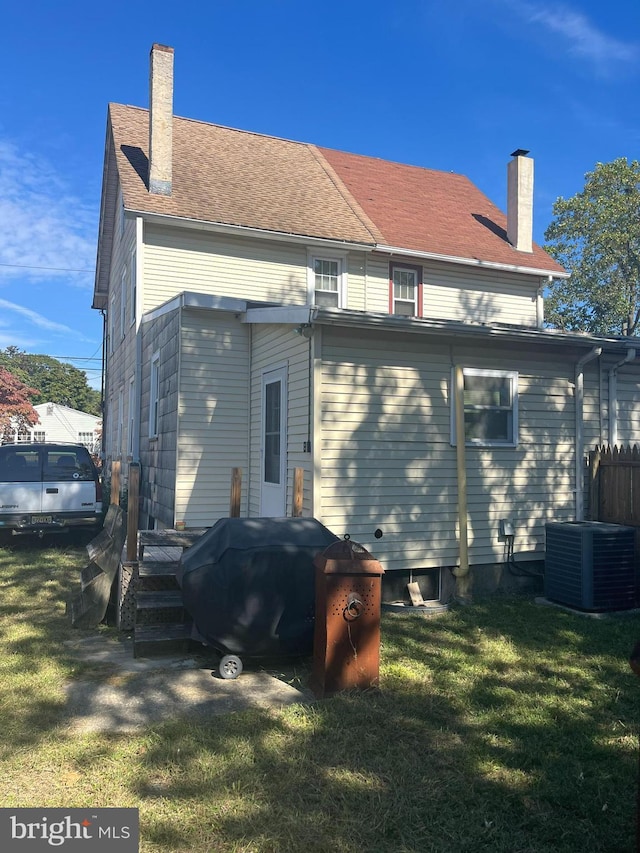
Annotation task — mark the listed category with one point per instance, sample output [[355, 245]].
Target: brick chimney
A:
[[520, 201], [160, 119]]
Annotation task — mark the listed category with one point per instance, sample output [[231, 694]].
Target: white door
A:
[[273, 477]]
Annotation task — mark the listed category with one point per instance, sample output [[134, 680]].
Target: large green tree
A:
[[16, 409], [595, 235], [56, 381]]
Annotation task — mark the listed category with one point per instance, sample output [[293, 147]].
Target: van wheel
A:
[[230, 666]]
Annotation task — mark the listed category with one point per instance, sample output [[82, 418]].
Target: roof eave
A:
[[414, 325], [261, 233], [474, 262]]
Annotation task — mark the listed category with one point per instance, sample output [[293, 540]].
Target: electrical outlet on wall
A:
[[506, 527]]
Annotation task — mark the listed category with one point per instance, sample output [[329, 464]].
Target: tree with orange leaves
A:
[[16, 410]]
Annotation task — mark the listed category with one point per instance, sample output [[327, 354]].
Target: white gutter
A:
[[579, 408], [473, 262], [613, 395]]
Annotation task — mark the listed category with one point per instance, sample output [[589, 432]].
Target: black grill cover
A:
[[249, 584]]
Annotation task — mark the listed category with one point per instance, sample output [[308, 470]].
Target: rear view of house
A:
[[271, 305]]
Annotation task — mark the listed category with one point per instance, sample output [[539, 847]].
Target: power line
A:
[[51, 269]]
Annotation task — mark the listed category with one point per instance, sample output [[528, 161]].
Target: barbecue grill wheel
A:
[[230, 666]]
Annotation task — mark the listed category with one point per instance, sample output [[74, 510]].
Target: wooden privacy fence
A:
[[615, 485]]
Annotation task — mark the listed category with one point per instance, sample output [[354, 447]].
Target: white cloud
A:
[[45, 231], [42, 322], [584, 38]]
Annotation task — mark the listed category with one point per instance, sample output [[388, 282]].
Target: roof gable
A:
[[243, 179]]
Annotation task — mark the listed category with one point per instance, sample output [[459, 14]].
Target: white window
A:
[[123, 302], [120, 421], [112, 324], [132, 287], [38, 435], [86, 438], [490, 407], [132, 410], [154, 396], [121, 219], [405, 291], [327, 281]]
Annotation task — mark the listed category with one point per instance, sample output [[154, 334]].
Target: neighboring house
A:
[[60, 423], [272, 305]]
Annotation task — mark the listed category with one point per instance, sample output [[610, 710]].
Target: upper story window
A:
[[405, 290], [327, 281], [121, 219], [111, 319], [490, 407]]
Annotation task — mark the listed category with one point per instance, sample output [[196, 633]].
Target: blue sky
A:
[[452, 86]]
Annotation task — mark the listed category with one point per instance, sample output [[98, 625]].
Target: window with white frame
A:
[[38, 435], [123, 302], [120, 422], [86, 438], [112, 324], [327, 281], [121, 219], [132, 287], [154, 396], [131, 414], [405, 290], [490, 407]]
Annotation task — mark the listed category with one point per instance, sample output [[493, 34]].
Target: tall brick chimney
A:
[[520, 201], [160, 119]]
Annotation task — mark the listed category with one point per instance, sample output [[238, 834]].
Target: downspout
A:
[[103, 386], [579, 408], [613, 395], [461, 572]]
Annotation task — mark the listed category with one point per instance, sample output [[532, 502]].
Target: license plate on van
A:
[[41, 519]]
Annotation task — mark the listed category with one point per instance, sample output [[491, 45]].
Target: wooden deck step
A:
[[158, 599], [161, 639], [157, 568]]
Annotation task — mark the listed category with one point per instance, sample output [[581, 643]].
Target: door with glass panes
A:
[[273, 461]]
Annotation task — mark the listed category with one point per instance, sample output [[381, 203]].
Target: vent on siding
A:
[[590, 565]]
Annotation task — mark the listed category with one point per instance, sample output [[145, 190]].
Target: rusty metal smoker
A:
[[346, 647]]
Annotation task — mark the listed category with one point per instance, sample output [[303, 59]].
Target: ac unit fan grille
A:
[[590, 565]]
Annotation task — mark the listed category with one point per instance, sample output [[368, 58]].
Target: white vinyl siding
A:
[[274, 346], [386, 459], [213, 431], [223, 266], [60, 423], [460, 293]]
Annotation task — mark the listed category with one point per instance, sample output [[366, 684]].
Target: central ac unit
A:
[[590, 565]]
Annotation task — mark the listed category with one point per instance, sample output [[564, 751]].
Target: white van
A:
[[48, 487]]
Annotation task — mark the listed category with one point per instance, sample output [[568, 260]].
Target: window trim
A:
[[131, 414], [123, 303], [341, 259], [513, 377], [133, 285], [112, 324], [154, 395], [415, 268]]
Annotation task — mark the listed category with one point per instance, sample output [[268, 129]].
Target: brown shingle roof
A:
[[236, 178], [245, 179]]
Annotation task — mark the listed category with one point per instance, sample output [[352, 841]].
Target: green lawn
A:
[[502, 726]]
